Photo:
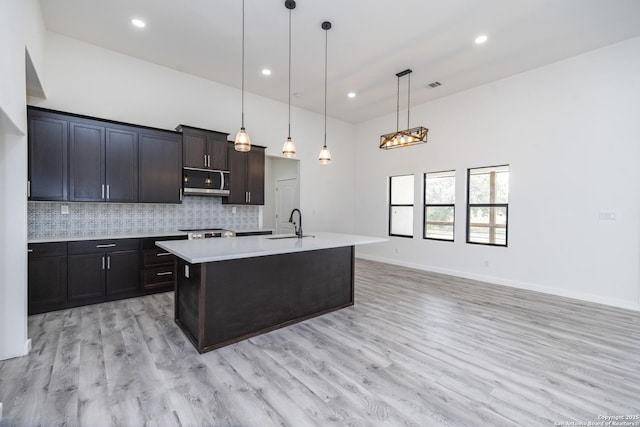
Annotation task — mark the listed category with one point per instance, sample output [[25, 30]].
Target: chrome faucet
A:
[[298, 230]]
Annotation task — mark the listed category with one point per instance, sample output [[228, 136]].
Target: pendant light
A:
[[289, 148], [243, 142], [325, 155], [409, 136]]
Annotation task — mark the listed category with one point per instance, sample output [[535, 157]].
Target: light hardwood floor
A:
[[417, 349]]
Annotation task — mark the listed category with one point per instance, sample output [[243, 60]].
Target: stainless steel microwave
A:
[[203, 182]]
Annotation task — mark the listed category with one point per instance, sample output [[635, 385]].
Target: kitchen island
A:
[[230, 289]]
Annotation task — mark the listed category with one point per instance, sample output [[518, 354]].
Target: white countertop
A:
[[108, 237], [208, 250]]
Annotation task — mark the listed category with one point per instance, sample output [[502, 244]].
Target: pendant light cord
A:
[[408, 100], [242, 126], [398, 107], [326, 43], [289, 134]]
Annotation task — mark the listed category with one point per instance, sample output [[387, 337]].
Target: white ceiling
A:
[[369, 43]]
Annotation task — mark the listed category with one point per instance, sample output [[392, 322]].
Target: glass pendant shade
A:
[[243, 142], [325, 156], [289, 148]]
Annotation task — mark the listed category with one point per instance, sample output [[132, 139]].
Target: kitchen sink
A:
[[289, 237]]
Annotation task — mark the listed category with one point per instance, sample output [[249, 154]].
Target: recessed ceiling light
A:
[[481, 39], [266, 71], [351, 94], [138, 23]]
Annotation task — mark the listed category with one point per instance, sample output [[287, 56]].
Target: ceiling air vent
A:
[[434, 84]]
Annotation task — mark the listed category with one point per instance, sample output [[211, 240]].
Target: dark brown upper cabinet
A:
[[103, 162], [203, 149], [246, 176], [84, 159], [160, 167], [48, 156]]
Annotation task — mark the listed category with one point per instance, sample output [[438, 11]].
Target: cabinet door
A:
[[123, 272], [47, 283], [86, 162], [255, 176], [217, 150], [48, 154], [86, 277], [194, 150], [121, 166], [237, 177], [160, 166]]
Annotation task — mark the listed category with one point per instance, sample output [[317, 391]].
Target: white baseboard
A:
[[614, 302]]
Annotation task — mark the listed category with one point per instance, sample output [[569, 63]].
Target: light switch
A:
[[64, 210]]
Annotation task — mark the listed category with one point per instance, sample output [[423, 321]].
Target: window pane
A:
[[439, 222], [440, 188], [402, 190], [489, 185], [488, 225], [402, 220]]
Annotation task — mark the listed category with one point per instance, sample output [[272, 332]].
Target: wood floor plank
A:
[[417, 349]]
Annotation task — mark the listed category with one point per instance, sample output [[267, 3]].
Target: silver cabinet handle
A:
[[205, 160], [164, 273], [180, 194], [163, 254], [103, 191], [108, 262], [110, 245], [107, 191], [103, 262], [29, 250]]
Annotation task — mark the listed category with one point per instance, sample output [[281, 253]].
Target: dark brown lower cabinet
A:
[[47, 272], [86, 278], [72, 274]]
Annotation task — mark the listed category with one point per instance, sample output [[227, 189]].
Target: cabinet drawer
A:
[[40, 250], [156, 257], [158, 277], [97, 246]]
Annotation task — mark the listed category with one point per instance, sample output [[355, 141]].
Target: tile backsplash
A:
[[45, 219]]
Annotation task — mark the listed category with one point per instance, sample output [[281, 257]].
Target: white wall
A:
[[20, 27], [570, 133], [85, 79]]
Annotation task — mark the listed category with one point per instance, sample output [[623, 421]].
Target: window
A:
[[439, 205], [401, 206], [488, 205]]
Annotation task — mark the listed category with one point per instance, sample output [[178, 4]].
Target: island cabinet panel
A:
[[48, 156], [47, 277], [236, 299]]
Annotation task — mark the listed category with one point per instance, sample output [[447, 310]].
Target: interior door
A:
[[286, 201]]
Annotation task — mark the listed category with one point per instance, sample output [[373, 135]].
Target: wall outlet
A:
[[186, 271], [233, 209], [64, 210]]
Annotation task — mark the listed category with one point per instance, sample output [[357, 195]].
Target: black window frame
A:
[[487, 205], [391, 206], [425, 206]]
